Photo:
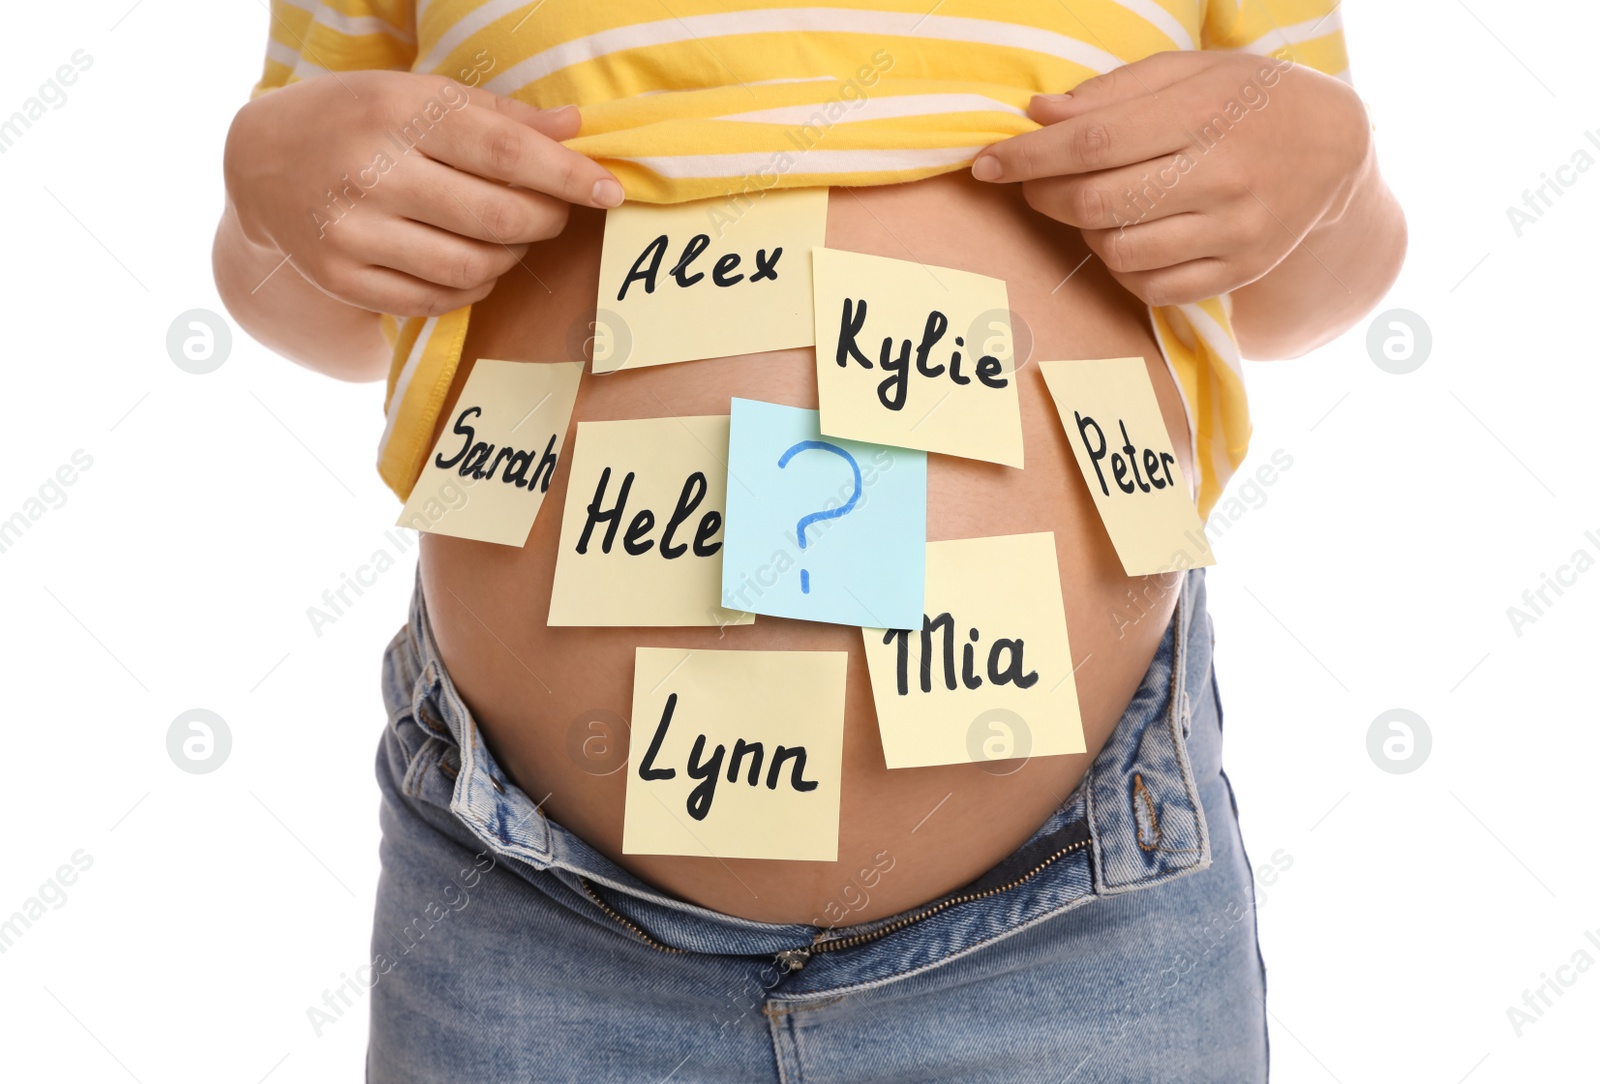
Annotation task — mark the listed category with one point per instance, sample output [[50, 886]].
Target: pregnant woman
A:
[[1184, 180]]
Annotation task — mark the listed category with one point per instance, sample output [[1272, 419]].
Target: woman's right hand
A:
[[403, 193]]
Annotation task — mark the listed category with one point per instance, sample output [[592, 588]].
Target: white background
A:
[[1376, 574]]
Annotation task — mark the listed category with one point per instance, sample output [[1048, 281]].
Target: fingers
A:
[[391, 265], [472, 207], [433, 255], [561, 123], [1121, 197], [1120, 134], [385, 290], [1106, 121], [1143, 78], [1184, 284], [489, 143], [1150, 246]]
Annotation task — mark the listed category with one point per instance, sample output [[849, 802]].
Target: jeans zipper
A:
[[637, 932], [796, 958]]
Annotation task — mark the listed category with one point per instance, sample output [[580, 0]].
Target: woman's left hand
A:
[[1191, 174]]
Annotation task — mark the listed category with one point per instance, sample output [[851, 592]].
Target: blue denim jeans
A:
[[1117, 944]]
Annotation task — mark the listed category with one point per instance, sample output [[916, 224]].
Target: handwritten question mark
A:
[[834, 513]]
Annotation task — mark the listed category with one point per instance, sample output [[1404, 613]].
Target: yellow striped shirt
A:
[[705, 99]]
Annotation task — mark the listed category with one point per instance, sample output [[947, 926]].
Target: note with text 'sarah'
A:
[[487, 474]]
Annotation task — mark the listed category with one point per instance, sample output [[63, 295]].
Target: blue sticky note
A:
[[822, 529]]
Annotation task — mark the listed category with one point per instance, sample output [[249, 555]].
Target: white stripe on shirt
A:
[[896, 106], [279, 53], [465, 27], [355, 26], [403, 383], [1216, 336], [1183, 397], [808, 20], [1281, 36], [1160, 18], [759, 163]]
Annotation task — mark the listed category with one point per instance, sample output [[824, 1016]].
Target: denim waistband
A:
[[1136, 820]]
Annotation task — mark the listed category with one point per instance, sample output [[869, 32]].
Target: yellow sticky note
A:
[[641, 536], [735, 754], [989, 674], [487, 474], [915, 356], [1114, 425], [707, 279]]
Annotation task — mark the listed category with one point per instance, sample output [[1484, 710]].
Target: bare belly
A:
[[542, 696]]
